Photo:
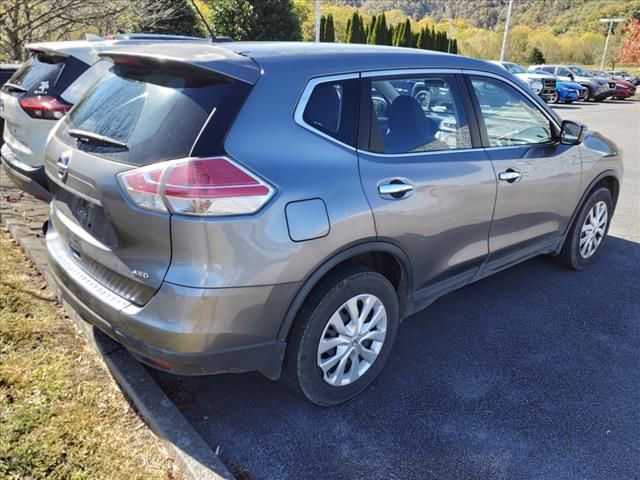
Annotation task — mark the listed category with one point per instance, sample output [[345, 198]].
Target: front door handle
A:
[[395, 189], [510, 175]]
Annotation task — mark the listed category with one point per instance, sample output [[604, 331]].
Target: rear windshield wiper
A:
[[15, 88], [96, 139]]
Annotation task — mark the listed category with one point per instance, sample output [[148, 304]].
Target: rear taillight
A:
[[197, 186], [49, 108]]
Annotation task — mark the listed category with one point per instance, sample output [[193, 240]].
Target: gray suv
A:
[[281, 207], [598, 88]]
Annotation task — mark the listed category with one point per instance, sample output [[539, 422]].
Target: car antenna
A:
[[204, 20]]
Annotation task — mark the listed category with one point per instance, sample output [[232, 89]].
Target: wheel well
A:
[[385, 263], [610, 183]]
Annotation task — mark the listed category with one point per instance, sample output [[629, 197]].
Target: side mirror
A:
[[571, 76], [572, 133]]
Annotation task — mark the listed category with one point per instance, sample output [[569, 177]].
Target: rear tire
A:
[[588, 231], [359, 349], [553, 98]]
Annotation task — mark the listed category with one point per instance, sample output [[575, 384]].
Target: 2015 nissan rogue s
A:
[[281, 207]]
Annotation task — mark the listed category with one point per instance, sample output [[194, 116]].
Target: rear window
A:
[[332, 109], [157, 114], [46, 74]]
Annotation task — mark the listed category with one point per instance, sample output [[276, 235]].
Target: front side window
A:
[[515, 68], [581, 71], [332, 109], [417, 114], [509, 117], [549, 69]]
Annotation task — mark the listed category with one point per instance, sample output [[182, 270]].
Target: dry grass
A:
[[61, 414]]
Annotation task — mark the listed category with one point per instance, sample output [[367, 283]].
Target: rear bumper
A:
[[182, 330], [29, 179]]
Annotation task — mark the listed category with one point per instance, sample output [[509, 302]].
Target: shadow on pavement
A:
[[532, 373]]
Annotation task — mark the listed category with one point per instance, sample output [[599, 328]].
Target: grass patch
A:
[[61, 414]]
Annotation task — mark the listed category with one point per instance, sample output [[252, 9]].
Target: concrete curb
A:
[[184, 445]]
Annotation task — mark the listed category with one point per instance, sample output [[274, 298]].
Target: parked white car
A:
[[43, 90], [544, 85]]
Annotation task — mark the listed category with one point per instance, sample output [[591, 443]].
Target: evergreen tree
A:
[[347, 34], [390, 35], [371, 31], [380, 31], [323, 23], [536, 57], [454, 46], [407, 36], [399, 34], [420, 41], [329, 32], [355, 34]]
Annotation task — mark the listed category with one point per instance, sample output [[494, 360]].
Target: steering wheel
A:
[[423, 96]]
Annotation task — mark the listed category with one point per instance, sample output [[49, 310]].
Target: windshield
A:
[[580, 71], [514, 68]]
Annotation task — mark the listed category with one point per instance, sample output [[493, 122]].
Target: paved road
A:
[[533, 373]]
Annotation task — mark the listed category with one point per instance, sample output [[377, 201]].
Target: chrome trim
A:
[[416, 154], [409, 71], [81, 278], [304, 99]]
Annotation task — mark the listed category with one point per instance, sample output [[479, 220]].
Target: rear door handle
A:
[[510, 175], [395, 189]]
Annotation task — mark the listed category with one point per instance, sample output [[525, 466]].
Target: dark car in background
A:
[[624, 89], [280, 207], [625, 76]]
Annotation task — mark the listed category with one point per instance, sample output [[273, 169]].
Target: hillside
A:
[[560, 15]]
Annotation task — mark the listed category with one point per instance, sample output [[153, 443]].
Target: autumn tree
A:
[[629, 51]]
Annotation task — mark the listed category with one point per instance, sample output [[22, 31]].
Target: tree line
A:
[[377, 32]]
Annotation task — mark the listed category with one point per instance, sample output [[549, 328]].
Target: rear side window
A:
[[332, 109], [417, 114], [148, 114], [47, 74]]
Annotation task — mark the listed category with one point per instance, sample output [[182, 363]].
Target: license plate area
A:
[[91, 217]]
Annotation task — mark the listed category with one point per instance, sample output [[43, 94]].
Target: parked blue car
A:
[[568, 92]]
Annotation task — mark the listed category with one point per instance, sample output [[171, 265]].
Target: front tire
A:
[[588, 231], [342, 337]]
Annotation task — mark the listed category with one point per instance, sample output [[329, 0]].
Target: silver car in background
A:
[[281, 207]]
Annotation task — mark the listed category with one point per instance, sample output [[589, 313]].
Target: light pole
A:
[[317, 21], [610, 21], [506, 32]]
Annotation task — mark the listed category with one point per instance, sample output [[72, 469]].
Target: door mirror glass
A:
[[572, 132]]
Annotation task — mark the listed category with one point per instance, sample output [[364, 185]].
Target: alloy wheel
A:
[[352, 340], [593, 229]]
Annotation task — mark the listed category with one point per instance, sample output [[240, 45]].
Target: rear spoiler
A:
[[55, 55], [198, 58]]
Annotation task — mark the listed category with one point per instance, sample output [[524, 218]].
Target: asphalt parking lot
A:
[[530, 374]]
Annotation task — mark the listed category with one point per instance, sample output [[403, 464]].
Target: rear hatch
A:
[[141, 113], [31, 101]]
